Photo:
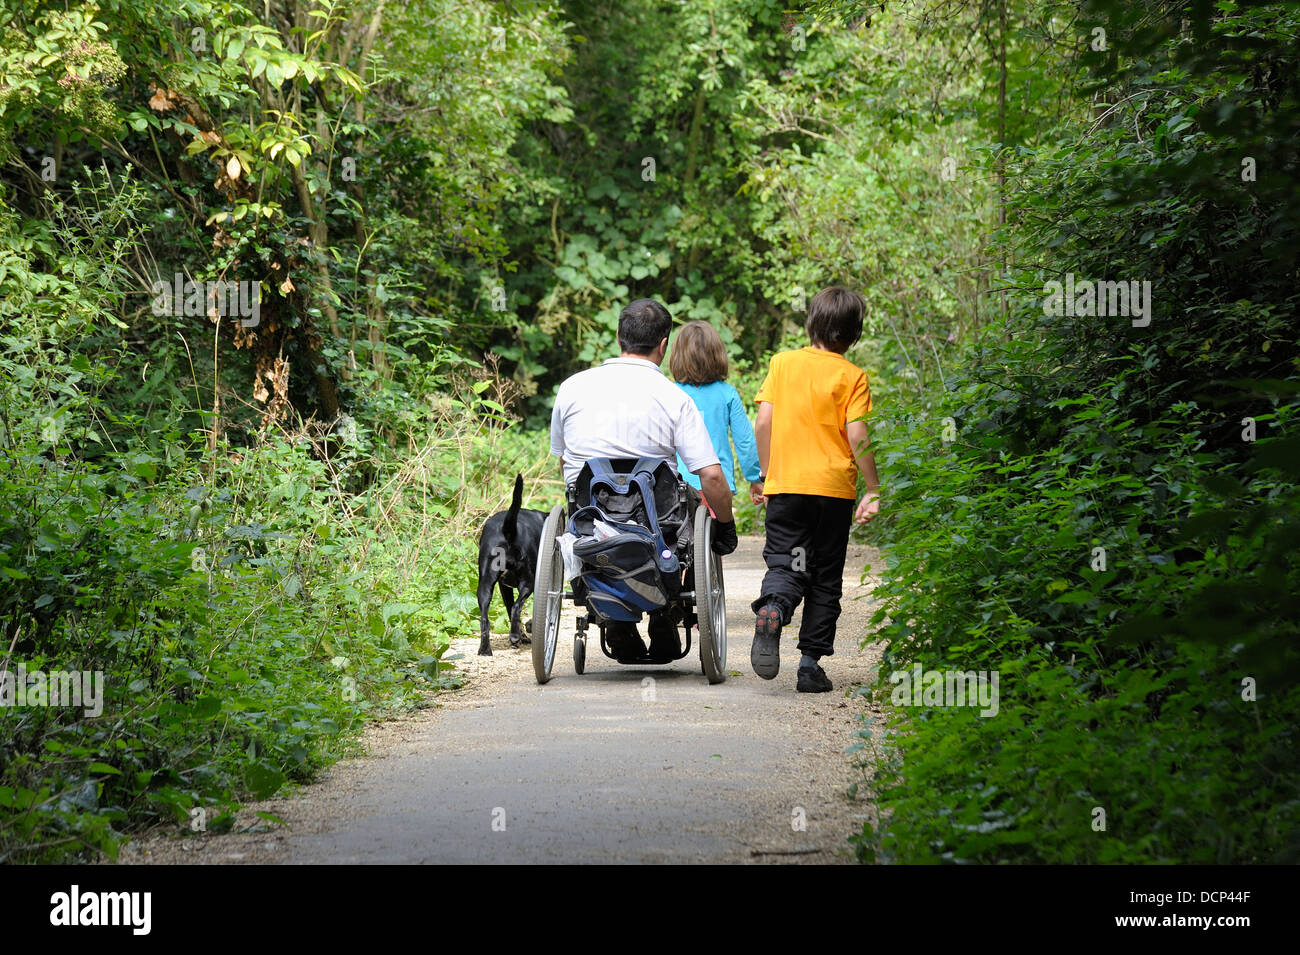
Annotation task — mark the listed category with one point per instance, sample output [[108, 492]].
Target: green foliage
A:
[[247, 607], [722, 163], [1155, 680]]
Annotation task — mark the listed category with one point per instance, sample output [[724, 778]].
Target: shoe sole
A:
[[765, 655]]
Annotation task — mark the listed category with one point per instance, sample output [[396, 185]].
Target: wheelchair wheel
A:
[[548, 595], [710, 600]]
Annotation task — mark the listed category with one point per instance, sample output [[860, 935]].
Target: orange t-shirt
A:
[[813, 394]]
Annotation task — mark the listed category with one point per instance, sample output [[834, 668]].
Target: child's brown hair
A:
[[835, 318], [698, 356]]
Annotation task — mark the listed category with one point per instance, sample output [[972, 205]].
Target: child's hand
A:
[[868, 507], [756, 495]]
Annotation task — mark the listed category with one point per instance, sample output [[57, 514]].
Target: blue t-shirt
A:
[[724, 416]]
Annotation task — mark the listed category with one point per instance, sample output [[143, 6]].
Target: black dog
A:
[[507, 557]]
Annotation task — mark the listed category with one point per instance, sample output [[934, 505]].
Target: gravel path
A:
[[622, 764]]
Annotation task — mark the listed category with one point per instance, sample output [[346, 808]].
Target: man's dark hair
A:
[[642, 325], [835, 318]]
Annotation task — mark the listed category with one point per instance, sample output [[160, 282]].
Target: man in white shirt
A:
[[626, 408]]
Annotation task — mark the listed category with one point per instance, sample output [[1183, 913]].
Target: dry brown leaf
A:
[[160, 102], [286, 286], [244, 337], [232, 167], [279, 375]]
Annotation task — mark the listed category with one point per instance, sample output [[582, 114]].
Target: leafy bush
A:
[[1113, 528], [247, 606]]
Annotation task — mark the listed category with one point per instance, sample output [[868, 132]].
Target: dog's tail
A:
[[512, 516]]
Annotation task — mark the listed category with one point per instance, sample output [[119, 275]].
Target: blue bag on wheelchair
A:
[[621, 573], [624, 562]]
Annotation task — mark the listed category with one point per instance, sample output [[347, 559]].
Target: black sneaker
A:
[[624, 641], [813, 679], [765, 655], [665, 642]]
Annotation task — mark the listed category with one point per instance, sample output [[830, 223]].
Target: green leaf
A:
[[263, 781], [1075, 597], [205, 707]]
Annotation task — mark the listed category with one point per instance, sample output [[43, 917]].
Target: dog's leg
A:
[[484, 601], [515, 635], [525, 635], [507, 596]]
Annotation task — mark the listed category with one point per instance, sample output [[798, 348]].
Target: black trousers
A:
[[807, 538]]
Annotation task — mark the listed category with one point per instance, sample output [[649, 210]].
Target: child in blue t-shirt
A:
[[698, 361]]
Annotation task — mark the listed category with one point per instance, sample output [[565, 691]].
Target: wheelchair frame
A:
[[550, 592]]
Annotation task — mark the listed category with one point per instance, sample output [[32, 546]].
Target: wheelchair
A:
[[645, 543]]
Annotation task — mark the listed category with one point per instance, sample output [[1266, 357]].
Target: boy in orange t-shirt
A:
[[812, 440]]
